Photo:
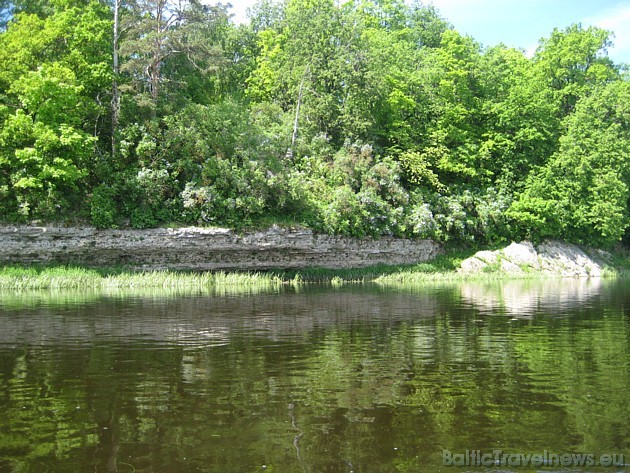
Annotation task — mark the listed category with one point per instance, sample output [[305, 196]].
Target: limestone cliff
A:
[[204, 248]]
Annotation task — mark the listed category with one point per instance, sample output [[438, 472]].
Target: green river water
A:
[[505, 376]]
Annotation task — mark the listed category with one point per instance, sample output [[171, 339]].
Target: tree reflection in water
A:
[[322, 380]]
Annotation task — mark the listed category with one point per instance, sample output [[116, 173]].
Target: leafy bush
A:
[[230, 194], [103, 207], [354, 193], [151, 191], [461, 216]]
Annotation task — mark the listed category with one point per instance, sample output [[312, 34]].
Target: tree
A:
[[573, 62], [53, 71], [450, 76], [582, 193], [115, 73], [159, 30], [308, 64], [520, 124], [43, 151]]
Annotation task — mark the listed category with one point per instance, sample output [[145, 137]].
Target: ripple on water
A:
[[320, 379]]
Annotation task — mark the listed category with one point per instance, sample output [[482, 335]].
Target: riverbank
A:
[[81, 257], [19, 277], [444, 267]]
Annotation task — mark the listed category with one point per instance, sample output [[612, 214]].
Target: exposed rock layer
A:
[[204, 248], [552, 257]]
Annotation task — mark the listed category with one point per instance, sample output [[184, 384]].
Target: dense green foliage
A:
[[366, 118]]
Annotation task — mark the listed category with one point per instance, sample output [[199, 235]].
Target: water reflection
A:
[[206, 320], [357, 379], [526, 298], [21, 299]]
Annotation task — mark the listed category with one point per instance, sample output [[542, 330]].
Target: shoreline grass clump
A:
[[77, 277]]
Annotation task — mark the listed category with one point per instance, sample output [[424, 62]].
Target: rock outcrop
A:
[[204, 248], [551, 257]]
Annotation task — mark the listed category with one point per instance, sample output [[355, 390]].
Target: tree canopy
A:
[[364, 118]]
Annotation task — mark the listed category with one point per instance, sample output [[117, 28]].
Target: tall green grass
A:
[[75, 277], [71, 277]]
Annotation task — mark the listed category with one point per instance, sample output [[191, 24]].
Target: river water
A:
[[462, 377]]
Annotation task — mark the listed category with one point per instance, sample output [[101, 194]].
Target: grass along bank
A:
[[14, 277], [75, 277], [442, 268]]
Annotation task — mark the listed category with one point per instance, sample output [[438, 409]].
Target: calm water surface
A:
[[316, 379]]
